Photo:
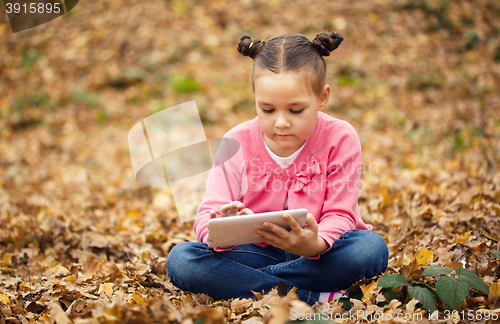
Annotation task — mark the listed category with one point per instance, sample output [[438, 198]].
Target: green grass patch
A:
[[30, 56], [184, 84], [23, 102], [422, 81], [348, 77], [101, 116], [88, 98]]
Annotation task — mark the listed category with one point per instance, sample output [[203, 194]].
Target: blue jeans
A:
[[357, 254]]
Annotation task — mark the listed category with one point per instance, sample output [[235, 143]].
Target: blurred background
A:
[[419, 80]]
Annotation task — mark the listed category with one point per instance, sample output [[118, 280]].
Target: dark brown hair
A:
[[292, 53]]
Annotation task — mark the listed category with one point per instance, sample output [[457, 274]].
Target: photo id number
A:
[[33, 8]]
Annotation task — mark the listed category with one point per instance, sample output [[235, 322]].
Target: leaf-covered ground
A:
[[82, 241]]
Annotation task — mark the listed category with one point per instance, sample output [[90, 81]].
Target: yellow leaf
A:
[[368, 290], [495, 289], [218, 303], [4, 299], [425, 257], [71, 278], [6, 259], [84, 294], [386, 196], [120, 228], [106, 288], [462, 238], [133, 213], [138, 299]]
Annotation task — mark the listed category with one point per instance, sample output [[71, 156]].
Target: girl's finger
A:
[[246, 211], [278, 230], [271, 239], [292, 222], [235, 205], [265, 235], [238, 204], [311, 222], [224, 208]]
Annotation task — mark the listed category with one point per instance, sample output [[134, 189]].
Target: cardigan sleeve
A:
[[218, 190], [340, 208]]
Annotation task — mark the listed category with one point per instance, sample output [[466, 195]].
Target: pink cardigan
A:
[[324, 179]]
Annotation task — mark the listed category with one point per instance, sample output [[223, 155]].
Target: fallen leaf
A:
[[239, 305], [412, 305], [57, 315], [6, 259], [462, 238], [495, 289], [368, 290], [71, 278], [138, 298], [106, 288], [425, 257], [4, 299], [357, 305]]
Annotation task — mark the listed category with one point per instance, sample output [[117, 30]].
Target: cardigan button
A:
[[284, 176]]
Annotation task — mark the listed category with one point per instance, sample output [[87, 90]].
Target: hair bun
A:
[[325, 43], [249, 48]]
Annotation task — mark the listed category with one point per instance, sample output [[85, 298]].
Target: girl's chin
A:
[[288, 147]]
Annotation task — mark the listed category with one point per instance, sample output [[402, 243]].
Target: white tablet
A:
[[236, 230]]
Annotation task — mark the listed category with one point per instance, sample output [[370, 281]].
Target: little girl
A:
[[295, 156]]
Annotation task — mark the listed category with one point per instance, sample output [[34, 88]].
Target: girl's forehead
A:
[[280, 86], [271, 90]]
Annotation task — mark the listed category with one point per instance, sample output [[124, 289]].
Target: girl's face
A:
[[287, 110]]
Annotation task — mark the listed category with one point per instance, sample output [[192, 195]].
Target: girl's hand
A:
[[231, 209], [301, 241]]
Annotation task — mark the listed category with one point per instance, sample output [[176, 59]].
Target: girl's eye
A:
[[292, 111], [296, 111]]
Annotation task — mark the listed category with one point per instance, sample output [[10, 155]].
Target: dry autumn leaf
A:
[[368, 290], [106, 288], [495, 288], [57, 315], [463, 238], [4, 299]]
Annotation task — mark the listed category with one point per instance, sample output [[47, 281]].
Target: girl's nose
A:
[[281, 122]]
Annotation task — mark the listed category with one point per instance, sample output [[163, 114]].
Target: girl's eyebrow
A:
[[297, 103]]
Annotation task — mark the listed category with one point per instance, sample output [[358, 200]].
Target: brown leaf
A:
[[106, 288], [57, 315], [410, 307], [239, 305], [93, 239], [357, 305]]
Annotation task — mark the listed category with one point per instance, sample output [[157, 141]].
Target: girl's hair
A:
[[292, 53]]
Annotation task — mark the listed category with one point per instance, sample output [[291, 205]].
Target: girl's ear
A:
[[324, 97]]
